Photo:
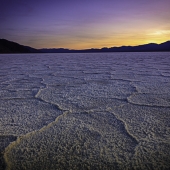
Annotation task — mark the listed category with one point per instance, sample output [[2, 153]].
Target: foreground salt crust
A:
[[85, 111]]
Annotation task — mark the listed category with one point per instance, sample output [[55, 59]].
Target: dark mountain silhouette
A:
[[12, 47], [56, 50], [140, 48]]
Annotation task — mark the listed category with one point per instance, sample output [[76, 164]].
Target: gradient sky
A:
[[81, 24]]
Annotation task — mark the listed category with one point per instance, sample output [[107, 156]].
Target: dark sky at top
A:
[[82, 24]]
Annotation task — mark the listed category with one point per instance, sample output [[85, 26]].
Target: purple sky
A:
[[84, 24]]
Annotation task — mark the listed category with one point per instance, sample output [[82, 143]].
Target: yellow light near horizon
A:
[[160, 32]]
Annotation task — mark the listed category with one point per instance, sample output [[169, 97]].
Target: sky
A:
[[82, 24]]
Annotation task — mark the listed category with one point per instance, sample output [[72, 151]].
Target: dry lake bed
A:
[[85, 111]]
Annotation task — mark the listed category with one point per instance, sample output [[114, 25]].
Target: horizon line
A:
[[88, 48]]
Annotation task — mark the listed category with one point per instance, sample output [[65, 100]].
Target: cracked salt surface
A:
[[85, 111]]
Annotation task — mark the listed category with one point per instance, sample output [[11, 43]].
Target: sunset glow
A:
[[85, 24]]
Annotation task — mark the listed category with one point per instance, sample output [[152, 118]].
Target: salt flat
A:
[[85, 111]]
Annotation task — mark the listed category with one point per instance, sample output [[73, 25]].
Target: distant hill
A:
[[140, 48], [12, 47]]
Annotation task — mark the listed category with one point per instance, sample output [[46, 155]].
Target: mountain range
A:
[[13, 47]]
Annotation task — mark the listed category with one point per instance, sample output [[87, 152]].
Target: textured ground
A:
[[85, 111]]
